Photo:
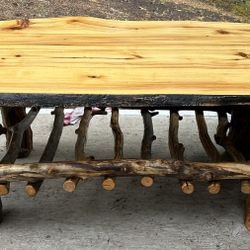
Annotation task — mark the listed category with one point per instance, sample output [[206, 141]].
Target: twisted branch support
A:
[[224, 139], [12, 116], [32, 188], [17, 132], [118, 135], [177, 149], [71, 182], [109, 182], [211, 150], [147, 140], [14, 147]]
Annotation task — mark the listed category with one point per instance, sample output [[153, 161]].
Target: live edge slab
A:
[[84, 61]]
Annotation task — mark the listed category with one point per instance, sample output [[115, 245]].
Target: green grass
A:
[[243, 9], [239, 7]]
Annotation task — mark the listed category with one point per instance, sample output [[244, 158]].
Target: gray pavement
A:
[[130, 217]]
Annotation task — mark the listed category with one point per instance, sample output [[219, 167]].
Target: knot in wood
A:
[[177, 165], [208, 176]]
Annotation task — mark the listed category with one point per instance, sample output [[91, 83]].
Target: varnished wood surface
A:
[[83, 55]]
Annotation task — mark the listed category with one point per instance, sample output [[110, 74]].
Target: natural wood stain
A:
[[84, 55]]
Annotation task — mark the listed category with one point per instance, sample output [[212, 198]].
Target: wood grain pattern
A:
[[84, 55]]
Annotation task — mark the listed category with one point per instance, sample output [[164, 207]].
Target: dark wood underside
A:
[[122, 101]]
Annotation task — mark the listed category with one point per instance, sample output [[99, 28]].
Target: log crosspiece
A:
[[211, 150], [15, 144], [147, 140], [81, 141], [49, 152], [91, 168]]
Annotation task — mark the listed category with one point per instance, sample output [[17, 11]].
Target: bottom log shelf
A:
[[117, 168]]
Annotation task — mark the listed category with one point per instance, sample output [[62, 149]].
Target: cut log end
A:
[[214, 187], [108, 184], [187, 187], [31, 190], [245, 187], [247, 212], [4, 188], [147, 181], [70, 184]]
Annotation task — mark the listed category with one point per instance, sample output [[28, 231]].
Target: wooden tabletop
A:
[[84, 55]]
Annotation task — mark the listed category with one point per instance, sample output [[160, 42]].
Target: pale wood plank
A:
[[84, 55]]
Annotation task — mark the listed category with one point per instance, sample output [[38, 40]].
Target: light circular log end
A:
[[247, 212], [108, 184], [214, 188], [245, 187], [4, 189], [31, 191], [147, 181], [70, 184], [187, 187]]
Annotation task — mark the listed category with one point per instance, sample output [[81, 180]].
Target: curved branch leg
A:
[[148, 136], [12, 116], [118, 135], [49, 152], [17, 132], [109, 182], [146, 144], [228, 142], [211, 150], [224, 140], [205, 139], [176, 149], [82, 135], [81, 141]]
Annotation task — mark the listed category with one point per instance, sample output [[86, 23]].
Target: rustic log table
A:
[[147, 65]]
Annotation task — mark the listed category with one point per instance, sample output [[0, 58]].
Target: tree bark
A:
[[12, 116], [240, 131], [109, 168]]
